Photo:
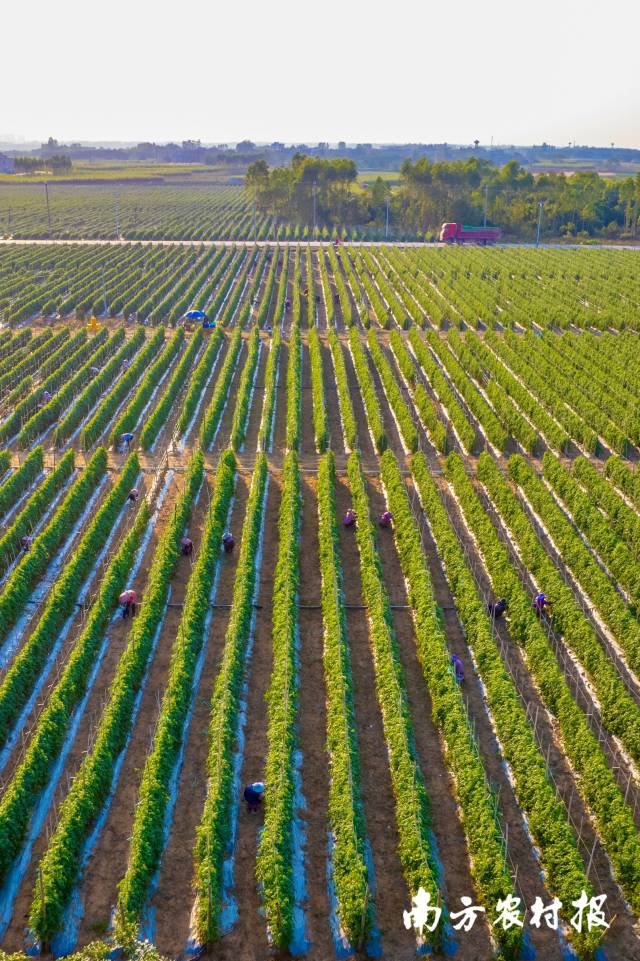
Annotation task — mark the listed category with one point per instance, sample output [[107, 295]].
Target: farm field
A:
[[490, 399], [174, 210]]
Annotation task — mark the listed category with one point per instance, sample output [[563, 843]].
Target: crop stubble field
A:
[[491, 400]]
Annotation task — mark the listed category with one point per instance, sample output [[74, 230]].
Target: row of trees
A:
[[324, 192]]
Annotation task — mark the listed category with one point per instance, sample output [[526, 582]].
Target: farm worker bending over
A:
[[253, 796], [25, 542], [133, 495], [186, 546], [349, 518], [46, 396], [540, 603], [457, 666], [385, 519], [497, 610], [128, 599], [126, 440], [228, 542]]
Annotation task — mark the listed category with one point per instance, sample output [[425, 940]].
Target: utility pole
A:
[[486, 202], [386, 226], [46, 193], [540, 206]]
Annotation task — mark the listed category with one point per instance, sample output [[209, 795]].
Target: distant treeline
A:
[[580, 205]]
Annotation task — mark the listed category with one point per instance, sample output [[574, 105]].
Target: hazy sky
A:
[[449, 70]]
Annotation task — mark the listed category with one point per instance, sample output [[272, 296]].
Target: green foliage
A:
[[85, 401], [320, 425], [489, 868], [35, 507], [129, 419], [367, 391], [547, 817], [347, 416], [163, 408], [21, 479], [274, 864], [398, 404], [292, 441], [439, 384], [199, 379], [215, 825], [595, 780], [241, 409], [413, 819], [60, 862], [213, 413], [350, 875], [147, 838], [269, 402], [31, 775], [108, 407]]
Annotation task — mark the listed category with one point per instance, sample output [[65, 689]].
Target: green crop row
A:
[[620, 559], [18, 482], [422, 402], [347, 416], [213, 413], [84, 403], [511, 349], [162, 410], [367, 390], [36, 505], [623, 518], [413, 818], [60, 863], [532, 407], [214, 830], [36, 355], [274, 859], [595, 781], [128, 420], [21, 795], [496, 434], [346, 818], [546, 815], [394, 395], [343, 295], [269, 402], [19, 680], [62, 400], [489, 867], [618, 710], [579, 560], [243, 396], [20, 583], [443, 391], [293, 389], [106, 410], [320, 425], [624, 478], [282, 290], [24, 410], [147, 838], [200, 377]]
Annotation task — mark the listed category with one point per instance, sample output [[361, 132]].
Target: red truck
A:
[[459, 234]]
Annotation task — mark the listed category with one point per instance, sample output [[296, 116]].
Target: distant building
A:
[[7, 164]]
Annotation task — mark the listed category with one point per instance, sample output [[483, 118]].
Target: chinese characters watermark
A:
[[425, 916]]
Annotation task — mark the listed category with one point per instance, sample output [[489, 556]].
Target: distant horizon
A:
[[14, 141]]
